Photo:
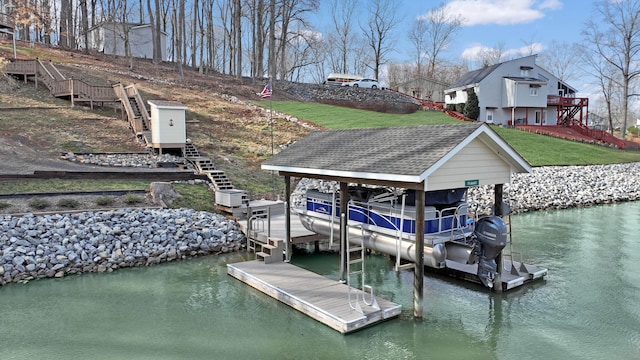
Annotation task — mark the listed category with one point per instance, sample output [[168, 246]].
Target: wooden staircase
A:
[[75, 90], [205, 166], [136, 110], [272, 251]]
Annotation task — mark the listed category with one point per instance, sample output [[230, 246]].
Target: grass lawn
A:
[[337, 117], [538, 150]]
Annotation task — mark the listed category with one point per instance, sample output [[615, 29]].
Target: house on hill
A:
[[519, 92], [424, 88], [108, 37]]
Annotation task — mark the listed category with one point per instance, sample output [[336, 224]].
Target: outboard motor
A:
[[491, 236]]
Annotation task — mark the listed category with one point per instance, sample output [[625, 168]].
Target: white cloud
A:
[[479, 52], [551, 5], [534, 48], [474, 53], [501, 12]]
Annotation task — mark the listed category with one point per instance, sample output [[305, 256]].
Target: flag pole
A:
[[273, 181]]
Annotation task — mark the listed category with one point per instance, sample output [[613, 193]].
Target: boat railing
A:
[[444, 220], [387, 217]]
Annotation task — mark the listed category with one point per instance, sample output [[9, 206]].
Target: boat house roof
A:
[[430, 157]]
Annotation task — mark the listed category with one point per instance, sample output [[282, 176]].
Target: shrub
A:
[[131, 199], [471, 108], [460, 108], [68, 203], [104, 201], [39, 204]]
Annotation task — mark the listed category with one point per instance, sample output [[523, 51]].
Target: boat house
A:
[[420, 158]]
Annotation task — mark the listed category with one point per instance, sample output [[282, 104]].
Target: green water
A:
[[587, 308]]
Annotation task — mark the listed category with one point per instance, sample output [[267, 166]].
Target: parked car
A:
[[364, 83]]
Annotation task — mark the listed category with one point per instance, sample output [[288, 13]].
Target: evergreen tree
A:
[[471, 107]]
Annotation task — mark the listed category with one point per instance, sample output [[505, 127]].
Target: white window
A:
[[490, 116], [524, 72], [533, 91]]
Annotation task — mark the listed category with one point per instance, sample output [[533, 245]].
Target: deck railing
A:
[[557, 100], [6, 21], [59, 86], [22, 67], [599, 135]]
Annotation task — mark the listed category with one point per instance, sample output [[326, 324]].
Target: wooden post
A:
[[71, 91], [287, 217], [344, 218], [418, 272], [497, 211]]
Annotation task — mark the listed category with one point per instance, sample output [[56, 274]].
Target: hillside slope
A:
[[35, 127]]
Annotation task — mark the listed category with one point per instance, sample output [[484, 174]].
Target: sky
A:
[[515, 25]]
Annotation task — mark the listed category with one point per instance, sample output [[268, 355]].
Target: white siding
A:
[[476, 161]]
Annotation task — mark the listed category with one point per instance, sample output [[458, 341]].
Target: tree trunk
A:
[[237, 25], [272, 40], [194, 34], [85, 24]]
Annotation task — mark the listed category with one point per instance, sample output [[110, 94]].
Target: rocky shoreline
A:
[[36, 246], [545, 188]]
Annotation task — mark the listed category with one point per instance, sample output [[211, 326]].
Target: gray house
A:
[[519, 92], [109, 38]]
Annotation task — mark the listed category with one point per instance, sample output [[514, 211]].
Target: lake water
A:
[[588, 307]]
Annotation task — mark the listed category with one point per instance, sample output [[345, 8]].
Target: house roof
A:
[[395, 156], [475, 76]]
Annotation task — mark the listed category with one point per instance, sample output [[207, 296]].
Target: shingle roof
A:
[[475, 76], [402, 151]]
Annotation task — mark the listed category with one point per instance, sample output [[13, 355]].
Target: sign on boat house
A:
[[422, 158]]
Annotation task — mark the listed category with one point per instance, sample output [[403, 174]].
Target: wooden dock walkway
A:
[[316, 296]]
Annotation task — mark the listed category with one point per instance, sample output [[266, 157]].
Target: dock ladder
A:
[[355, 267], [398, 265], [510, 254]]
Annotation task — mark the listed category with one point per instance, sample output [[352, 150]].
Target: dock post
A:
[[497, 211], [287, 217], [418, 272], [344, 215]]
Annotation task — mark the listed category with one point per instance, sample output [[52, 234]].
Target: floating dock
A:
[[316, 296]]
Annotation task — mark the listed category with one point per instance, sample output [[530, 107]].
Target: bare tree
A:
[[342, 12], [85, 24], [491, 56], [272, 40], [614, 36], [559, 58], [440, 28], [258, 33], [154, 19], [237, 30], [605, 74], [291, 12], [66, 19], [381, 22]]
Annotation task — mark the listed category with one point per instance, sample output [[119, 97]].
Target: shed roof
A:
[[395, 156]]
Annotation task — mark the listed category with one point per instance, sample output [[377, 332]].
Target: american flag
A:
[[266, 92]]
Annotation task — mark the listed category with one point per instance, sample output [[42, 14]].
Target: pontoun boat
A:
[[383, 219]]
